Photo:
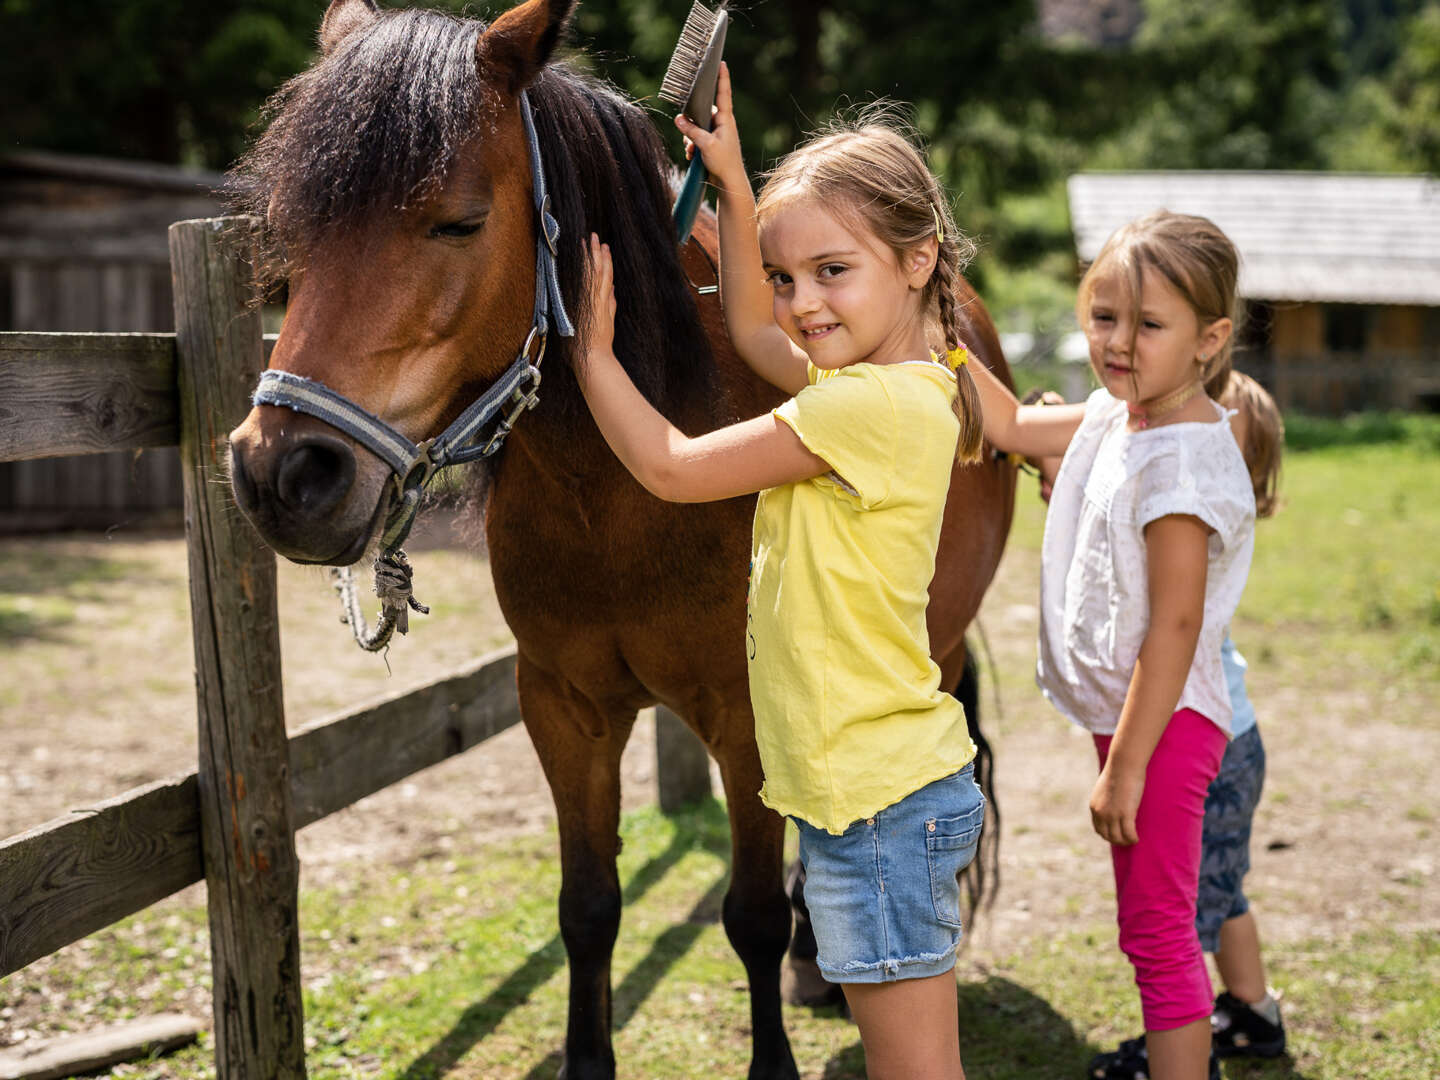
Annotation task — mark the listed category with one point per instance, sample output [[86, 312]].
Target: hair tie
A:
[[956, 358], [939, 228]]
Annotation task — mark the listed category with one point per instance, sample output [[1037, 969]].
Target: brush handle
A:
[[687, 202]]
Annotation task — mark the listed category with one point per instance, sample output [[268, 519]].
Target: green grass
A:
[[454, 967], [42, 591]]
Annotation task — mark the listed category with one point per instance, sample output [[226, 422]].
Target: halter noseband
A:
[[515, 391]]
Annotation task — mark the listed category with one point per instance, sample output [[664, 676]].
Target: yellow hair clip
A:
[[939, 228]]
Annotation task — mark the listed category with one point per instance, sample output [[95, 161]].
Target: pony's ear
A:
[[518, 44], [343, 18]]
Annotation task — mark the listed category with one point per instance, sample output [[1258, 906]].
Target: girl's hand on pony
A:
[[720, 146], [1114, 803], [601, 301]]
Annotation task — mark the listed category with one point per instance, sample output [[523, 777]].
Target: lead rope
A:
[[393, 574]]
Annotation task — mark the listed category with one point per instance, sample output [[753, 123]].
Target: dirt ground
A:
[[96, 696]]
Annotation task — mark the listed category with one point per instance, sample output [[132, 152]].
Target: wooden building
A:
[[84, 247], [1340, 274]]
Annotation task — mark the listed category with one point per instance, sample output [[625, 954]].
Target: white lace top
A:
[[1094, 595]]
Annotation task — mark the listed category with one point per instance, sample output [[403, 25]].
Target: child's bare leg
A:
[[910, 1029], [1181, 1053], [1238, 958]]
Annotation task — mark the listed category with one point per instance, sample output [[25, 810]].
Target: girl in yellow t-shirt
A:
[[830, 285]]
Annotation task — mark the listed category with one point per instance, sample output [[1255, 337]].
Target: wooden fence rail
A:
[[83, 871], [232, 822]]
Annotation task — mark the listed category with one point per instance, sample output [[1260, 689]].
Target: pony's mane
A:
[[377, 125], [366, 130]]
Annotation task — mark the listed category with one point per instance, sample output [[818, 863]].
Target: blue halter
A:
[[502, 405]]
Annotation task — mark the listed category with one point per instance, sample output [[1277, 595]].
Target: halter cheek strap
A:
[[501, 405]]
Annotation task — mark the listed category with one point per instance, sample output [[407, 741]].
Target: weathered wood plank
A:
[[75, 1055], [344, 759], [247, 835], [79, 873], [85, 393]]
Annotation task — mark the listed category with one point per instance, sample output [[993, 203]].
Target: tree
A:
[[1414, 87], [164, 80]]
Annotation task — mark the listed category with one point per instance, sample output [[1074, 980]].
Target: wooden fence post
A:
[[247, 833], [682, 764]]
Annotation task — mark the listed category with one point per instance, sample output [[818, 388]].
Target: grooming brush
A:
[[689, 84]]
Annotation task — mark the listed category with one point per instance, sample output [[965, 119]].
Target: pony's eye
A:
[[456, 229]]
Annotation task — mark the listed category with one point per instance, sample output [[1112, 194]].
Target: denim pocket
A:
[[950, 845]]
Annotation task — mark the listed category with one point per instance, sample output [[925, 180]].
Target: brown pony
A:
[[395, 180]]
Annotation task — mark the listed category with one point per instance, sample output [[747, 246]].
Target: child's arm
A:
[[1177, 556], [735, 460], [746, 297], [1030, 430]]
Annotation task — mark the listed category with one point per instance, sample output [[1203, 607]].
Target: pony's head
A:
[[395, 182]]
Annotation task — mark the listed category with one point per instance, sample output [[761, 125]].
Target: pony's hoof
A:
[[802, 984]]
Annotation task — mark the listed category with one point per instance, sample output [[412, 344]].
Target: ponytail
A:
[[1264, 438]]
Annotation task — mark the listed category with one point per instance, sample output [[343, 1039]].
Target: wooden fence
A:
[[232, 822], [1335, 383], [83, 247]]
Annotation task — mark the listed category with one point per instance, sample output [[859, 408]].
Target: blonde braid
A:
[[946, 283]]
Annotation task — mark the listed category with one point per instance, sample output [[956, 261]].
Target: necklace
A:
[[1146, 415]]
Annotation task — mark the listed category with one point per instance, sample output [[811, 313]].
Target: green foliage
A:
[[1417, 430], [164, 80], [1414, 87], [1006, 112], [1219, 95]]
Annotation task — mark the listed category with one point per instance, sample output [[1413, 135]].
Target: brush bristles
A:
[[684, 66]]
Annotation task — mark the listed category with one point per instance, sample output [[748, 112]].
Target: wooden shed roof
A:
[[1326, 237]]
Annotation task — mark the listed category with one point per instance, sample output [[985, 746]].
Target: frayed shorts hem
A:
[[881, 971]]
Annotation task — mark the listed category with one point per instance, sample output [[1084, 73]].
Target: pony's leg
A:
[[579, 749], [756, 911], [800, 980]]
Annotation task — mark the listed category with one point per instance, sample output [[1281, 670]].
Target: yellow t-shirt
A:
[[849, 714]]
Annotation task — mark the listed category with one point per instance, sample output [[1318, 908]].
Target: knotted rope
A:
[[393, 574]]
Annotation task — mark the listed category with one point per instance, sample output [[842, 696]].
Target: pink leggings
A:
[[1156, 880]]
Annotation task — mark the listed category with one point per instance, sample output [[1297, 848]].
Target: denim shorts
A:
[[1225, 845], [883, 896]]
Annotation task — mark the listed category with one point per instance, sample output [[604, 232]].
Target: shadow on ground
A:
[[706, 830]]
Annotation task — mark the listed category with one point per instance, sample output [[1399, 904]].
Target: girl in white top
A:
[[1147, 547]]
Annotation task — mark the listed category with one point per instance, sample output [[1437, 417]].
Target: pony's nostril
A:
[[315, 476]]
